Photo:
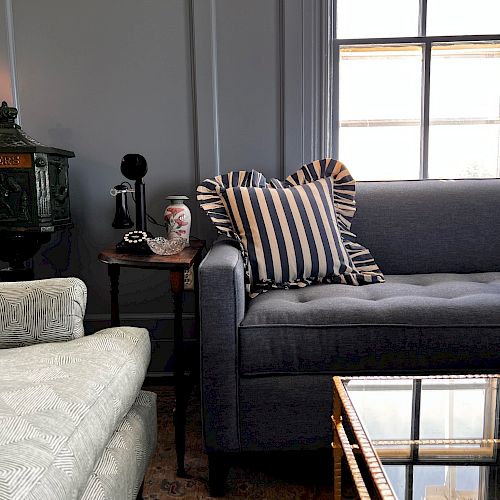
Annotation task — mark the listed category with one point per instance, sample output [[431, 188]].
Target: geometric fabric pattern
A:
[[49, 310], [121, 468], [210, 195], [60, 405]]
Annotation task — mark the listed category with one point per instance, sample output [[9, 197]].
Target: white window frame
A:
[[331, 81]]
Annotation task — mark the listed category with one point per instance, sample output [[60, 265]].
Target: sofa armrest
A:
[[33, 312], [222, 307]]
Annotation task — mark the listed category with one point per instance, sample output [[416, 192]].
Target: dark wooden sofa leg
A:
[[218, 468]]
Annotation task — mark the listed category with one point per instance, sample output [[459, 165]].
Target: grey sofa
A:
[[74, 423], [267, 363]]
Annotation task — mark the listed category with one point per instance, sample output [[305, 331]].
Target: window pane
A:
[[397, 476], [381, 153], [447, 481], [383, 18], [465, 81], [465, 111], [453, 412], [463, 17], [457, 151], [378, 401], [379, 111]]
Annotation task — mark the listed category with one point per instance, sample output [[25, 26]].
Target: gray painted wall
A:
[[6, 85], [196, 86]]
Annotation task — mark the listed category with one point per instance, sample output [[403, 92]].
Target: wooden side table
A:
[[176, 264]]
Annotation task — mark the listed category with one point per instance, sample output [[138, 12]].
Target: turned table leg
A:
[[177, 287], [114, 278]]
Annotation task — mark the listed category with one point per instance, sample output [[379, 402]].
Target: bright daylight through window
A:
[[416, 88]]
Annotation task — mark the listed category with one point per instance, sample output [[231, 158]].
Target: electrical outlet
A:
[[189, 279]]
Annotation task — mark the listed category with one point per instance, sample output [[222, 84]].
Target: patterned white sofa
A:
[[74, 423]]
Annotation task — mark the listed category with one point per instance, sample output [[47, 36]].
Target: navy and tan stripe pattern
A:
[[290, 235], [344, 193], [210, 200], [293, 232], [49, 310]]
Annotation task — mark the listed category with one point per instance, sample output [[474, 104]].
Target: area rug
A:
[[270, 476]]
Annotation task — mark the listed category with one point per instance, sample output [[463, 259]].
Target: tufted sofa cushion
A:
[[395, 326]]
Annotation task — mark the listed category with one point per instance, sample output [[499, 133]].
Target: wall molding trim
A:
[[9, 21], [138, 316], [328, 90], [293, 83], [281, 84], [192, 68], [303, 79], [203, 29], [317, 73]]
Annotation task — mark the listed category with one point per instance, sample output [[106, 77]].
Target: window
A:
[[416, 88]]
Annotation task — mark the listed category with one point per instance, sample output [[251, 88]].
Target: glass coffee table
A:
[[433, 437]]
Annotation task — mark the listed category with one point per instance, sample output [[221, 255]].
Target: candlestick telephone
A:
[[133, 167]]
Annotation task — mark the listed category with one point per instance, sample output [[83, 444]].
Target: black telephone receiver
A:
[[135, 167]]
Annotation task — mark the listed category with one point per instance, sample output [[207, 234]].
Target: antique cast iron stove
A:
[[34, 195]]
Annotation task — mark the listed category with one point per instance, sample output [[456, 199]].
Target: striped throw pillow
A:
[[289, 234], [294, 232]]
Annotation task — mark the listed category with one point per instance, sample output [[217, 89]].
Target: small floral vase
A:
[[178, 218]]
